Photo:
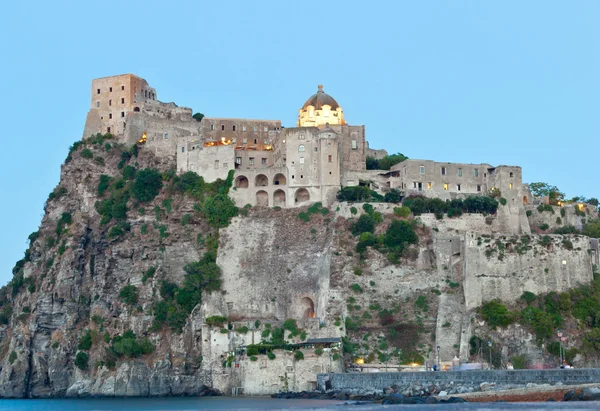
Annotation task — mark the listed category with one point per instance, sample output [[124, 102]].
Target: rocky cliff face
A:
[[113, 295]]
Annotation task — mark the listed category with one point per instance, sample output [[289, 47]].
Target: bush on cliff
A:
[[496, 314], [146, 185], [129, 294], [81, 360], [419, 204], [398, 234], [364, 224]]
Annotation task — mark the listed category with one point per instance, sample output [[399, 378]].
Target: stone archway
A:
[[279, 180], [262, 198], [279, 198], [525, 201], [302, 196], [241, 182], [307, 307], [136, 109], [261, 180]]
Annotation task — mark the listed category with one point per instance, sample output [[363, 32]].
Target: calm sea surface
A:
[[261, 403]]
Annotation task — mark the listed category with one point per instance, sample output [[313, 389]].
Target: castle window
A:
[[122, 87], [301, 176], [458, 187], [263, 161], [110, 115], [243, 128], [233, 140], [183, 149], [421, 169], [122, 100], [446, 186], [233, 128], [255, 128], [354, 145], [316, 149], [166, 136], [414, 184], [98, 91], [510, 186], [110, 89], [216, 163], [429, 186], [97, 104], [301, 148], [444, 171], [238, 160], [420, 186], [266, 141], [122, 114], [330, 159], [511, 175], [301, 136], [108, 129], [255, 141], [485, 174], [266, 129], [301, 160], [222, 127], [460, 172], [251, 159], [225, 165], [245, 140], [476, 172], [478, 187], [212, 126], [110, 102]]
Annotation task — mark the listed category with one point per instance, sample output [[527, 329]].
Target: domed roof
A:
[[320, 99]]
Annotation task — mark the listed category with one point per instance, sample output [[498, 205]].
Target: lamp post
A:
[[438, 357], [490, 347], [559, 334]]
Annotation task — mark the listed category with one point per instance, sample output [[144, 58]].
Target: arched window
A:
[[301, 148]]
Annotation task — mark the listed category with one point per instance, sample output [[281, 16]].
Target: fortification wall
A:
[[560, 216], [268, 271], [504, 267], [282, 374]]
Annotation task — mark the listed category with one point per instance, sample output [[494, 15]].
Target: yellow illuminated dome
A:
[[320, 109]]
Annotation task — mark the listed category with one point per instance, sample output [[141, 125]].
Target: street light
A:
[[490, 346], [438, 357], [559, 334]]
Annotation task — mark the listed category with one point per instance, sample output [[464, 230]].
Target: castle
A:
[[275, 165]]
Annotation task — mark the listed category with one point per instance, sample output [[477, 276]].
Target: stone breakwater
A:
[[453, 382], [393, 398]]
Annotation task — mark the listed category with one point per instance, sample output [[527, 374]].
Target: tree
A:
[[364, 224], [198, 116], [540, 189], [386, 162], [399, 233], [592, 229]]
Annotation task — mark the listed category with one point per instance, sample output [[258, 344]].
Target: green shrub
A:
[[503, 201], [384, 163], [271, 355], [242, 330], [87, 153], [81, 360], [422, 303], [85, 341], [402, 211], [185, 219], [298, 355], [57, 193], [146, 185], [545, 207], [398, 234], [215, 321], [368, 208], [253, 358], [148, 274], [356, 288], [336, 357], [544, 227], [528, 213], [519, 362], [129, 294], [353, 210], [567, 244], [130, 346], [496, 314], [12, 357], [319, 352], [558, 220], [528, 297], [129, 172], [393, 196]]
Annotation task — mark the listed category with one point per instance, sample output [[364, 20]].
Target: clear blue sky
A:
[[510, 82]]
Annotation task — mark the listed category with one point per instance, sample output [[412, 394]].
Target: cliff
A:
[[141, 282]]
